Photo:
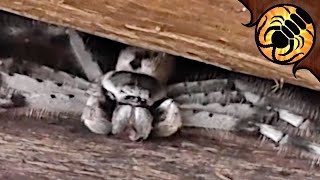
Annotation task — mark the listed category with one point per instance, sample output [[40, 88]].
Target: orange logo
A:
[[285, 34]]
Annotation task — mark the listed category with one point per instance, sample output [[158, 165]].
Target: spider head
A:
[[133, 88], [155, 64], [134, 95]]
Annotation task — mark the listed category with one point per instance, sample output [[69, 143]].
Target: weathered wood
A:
[[52, 149], [209, 31]]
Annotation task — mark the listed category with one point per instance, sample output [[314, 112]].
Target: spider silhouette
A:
[[286, 32]]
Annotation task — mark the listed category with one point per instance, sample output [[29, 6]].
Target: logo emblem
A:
[[285, 34]]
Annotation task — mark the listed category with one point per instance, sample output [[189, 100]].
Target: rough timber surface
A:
[[53, 149], [208, 30]]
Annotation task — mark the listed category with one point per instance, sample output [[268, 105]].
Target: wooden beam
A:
[[208, 31], [52, 149]]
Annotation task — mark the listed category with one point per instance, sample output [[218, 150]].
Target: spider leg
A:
[[208, 120], [236, 101], [276, 21], [296, 121], [22, 91], [296, 55], [282, 139], [205, 86], [84, 58], [266, 45], [274, 17], [241, 122], [309, 32], [22, 83], [270, 29], [288, 11], [259, 31], [298, 43], [41, 72], [278, 85], [274, 54], [263, 24], [227, 96], [9, 99], [290, 49], [302, 39], [96, 114], [168, 119]]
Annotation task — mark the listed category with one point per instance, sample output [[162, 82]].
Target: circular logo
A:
[[285, 34]]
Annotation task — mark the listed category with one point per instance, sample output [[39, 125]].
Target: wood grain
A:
[[208, 31], [63, 149], [311, 61]]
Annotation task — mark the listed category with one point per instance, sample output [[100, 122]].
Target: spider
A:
[[135, 92], [135, 99]]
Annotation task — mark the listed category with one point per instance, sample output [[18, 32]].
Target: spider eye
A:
[[143, 101], [127, 97]]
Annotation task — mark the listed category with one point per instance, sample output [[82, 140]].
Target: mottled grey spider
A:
[[132, 99], [135, 99]]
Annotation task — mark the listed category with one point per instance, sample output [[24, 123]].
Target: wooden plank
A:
[[208, 31], [52, 149]]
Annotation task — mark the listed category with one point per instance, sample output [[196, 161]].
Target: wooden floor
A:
[[52, 149]]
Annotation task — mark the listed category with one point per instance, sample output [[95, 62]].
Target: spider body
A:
[[137, 86], [133, 88]]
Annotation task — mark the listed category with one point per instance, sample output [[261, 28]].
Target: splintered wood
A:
[[208, 31]]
